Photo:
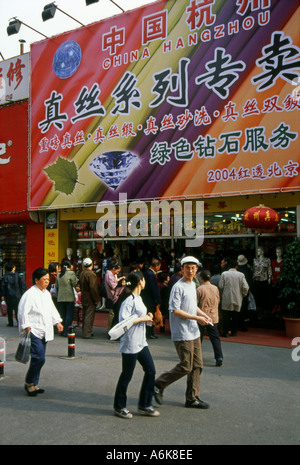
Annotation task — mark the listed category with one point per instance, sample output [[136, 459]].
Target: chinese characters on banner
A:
[[14, 79], [197, 98]]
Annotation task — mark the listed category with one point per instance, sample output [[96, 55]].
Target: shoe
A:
[[149, 411], [158, 395], [219, 362], [39, 390], [153, 336], [124, 413], [196, 403], [32, 393]]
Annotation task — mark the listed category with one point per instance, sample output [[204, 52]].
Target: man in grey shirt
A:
[[184, 319]]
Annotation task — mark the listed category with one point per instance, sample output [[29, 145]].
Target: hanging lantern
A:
[[261, 217]]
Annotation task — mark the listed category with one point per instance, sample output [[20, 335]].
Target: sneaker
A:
[[149, 411], [124, 413], [196, 403], [158, 395], [219, 362]]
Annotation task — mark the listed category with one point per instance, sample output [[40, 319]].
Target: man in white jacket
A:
[[234, 287]]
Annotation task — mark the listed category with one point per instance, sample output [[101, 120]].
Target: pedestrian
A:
[[12, 288], [208, 299], [37, 316], [54, 269], [114, 288], [134, 347], [234, 287], [244, 268], [65, 284], [90, 297], [184, 319], [151, 293], [164, 289]]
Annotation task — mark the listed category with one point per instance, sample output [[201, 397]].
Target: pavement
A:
[[253, 397]]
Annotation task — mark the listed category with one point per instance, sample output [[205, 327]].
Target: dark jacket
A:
[[89, 287], [13, 286], [151, 293]]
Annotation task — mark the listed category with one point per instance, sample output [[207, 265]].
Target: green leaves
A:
[[64, 175], [289, 284]]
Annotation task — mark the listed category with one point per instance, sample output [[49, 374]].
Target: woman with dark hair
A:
[[37, 316], [134, 347], [65, 283]]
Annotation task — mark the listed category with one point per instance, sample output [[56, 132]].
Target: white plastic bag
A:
[[121, 328], [53, 291]]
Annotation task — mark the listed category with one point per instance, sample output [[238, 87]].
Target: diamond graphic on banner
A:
[[67, 59], [114, 167]]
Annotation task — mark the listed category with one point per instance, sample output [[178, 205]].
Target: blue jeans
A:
[[38, 358], [147, 389], [66, 310]]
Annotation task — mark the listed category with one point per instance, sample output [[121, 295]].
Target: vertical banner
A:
[[13, 158], [179, 98]]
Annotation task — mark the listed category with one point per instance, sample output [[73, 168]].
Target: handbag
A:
[[122, 327], [23, 350], [251, 302]]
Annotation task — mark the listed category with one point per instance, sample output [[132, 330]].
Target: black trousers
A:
[[230, 321], [213, 334]]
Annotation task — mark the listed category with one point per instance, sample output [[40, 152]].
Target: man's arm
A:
[[201, 317]]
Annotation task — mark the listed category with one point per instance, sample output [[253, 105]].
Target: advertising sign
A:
[[177, 99], [14, 79], [13, 159]]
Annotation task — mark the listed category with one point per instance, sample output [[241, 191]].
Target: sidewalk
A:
[[256, 336], [254, 397]]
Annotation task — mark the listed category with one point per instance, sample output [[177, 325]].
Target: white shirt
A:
[[134, 340], [183, 297], [37, 311]]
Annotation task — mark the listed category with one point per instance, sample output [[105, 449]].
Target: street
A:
[[253, 397]]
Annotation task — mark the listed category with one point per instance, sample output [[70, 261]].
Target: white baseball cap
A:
[[190, 259], [87, 262]]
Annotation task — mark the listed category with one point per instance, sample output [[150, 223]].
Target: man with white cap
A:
[[89, 297], [184, 319]]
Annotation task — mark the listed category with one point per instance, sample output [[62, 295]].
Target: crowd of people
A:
[[191, 298]]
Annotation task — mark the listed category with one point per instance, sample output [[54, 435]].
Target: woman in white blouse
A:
[[134, 347], [37, 316]]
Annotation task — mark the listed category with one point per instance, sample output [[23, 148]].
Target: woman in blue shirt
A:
[[134, 347]]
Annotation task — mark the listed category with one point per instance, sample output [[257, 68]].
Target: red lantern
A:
[[261, 217]]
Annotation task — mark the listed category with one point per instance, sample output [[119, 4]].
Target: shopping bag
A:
[[53, 291], [3, 308], [158, 318], [23, 350]]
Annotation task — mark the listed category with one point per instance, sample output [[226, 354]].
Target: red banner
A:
[[178, 99], [13, 160]]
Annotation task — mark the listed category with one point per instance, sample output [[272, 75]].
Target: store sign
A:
[[14, 79], [13, 158], [176, 99]]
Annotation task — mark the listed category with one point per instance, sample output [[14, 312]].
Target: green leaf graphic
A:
[[64, 175]]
